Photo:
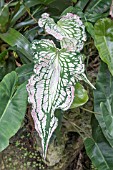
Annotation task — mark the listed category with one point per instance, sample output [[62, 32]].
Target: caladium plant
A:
[[51, 87], [69, 30]]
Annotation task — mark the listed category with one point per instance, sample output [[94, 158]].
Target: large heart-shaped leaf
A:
[[52, 85], [69, 30], [104, 41], [13, 102]]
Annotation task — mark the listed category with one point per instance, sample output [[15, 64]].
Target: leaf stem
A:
[[88, 110], [28, 11]]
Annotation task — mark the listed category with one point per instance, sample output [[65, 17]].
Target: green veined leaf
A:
[[95, 154], [69, 30], [81, 96], [99, 6], [13, 102], [14, 38], [106, 110], [52, 85], [103, 101], [103, 146], [93, 17], [104, 41]]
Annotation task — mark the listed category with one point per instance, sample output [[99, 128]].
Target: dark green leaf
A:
[[2, 55], [104, 147], [60, 5], [6, 67], [81, 96], [104, 41], [4, 15], [99, 6], [82, 3], [94, 152], [102, 95], [90, 29], [107, 109], [24, 72], [70, 9], [28, 4], [13, 107], [93, 17], [14, 38], [32, 33], [59, 115]]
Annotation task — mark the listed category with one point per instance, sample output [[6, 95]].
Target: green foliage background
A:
[[18, 28]]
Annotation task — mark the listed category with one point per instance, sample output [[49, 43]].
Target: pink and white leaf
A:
[[52, 85], [69, 30]]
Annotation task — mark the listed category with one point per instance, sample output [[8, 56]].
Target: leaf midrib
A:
[[9, 101], [102, 155], [96, 4]]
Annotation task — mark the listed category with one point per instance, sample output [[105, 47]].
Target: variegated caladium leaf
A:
[[69, 30], [52, 85]]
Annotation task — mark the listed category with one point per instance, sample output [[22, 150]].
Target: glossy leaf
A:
[[107, 109], [104, 41], [81, 96], [102, 96], [95, 154], [52, 85], [69, 30], [32, 33], [92, 16], [99, 144], [14, 38], [12, 108], [90, 29], [99, 6], [4, 15]]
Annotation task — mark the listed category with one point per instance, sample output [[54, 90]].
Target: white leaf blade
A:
[[69, 30], [52, 86]]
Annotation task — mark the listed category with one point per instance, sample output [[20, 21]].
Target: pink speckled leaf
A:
[[52, 85], [69, 30]]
